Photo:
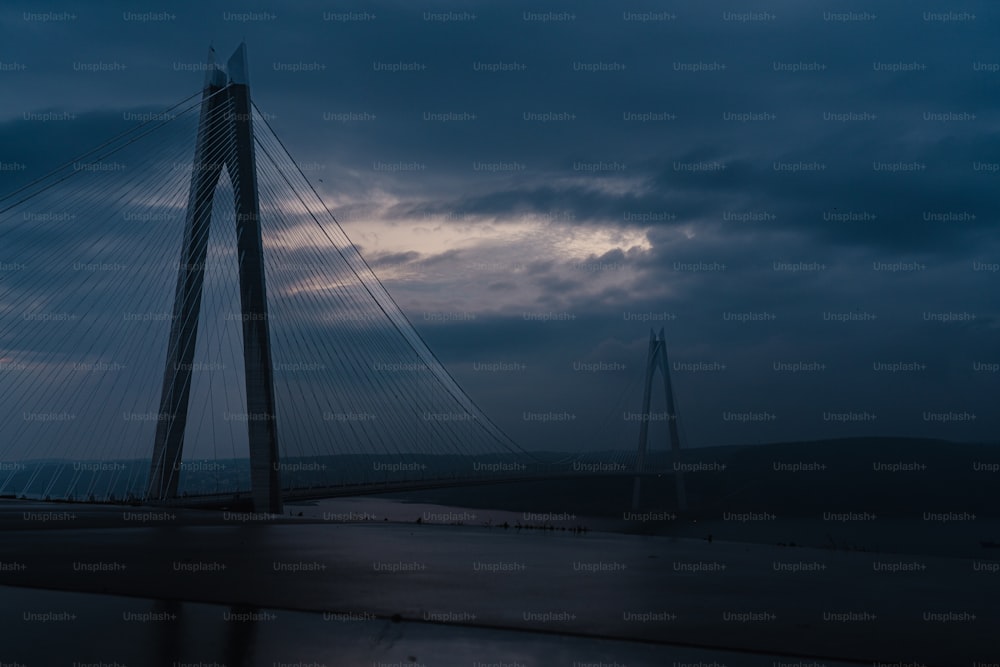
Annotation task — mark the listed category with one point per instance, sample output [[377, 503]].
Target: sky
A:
[[799, 194]]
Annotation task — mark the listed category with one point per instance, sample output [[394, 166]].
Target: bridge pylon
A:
[[225, 140], [657, 357]]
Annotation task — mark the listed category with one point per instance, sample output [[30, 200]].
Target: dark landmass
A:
[[914, 476]]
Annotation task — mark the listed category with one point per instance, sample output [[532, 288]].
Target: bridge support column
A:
[[225, 138], [657, 356], [264, 463]]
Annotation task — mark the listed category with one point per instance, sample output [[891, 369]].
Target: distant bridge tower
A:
[[658, 356], [225, 139]]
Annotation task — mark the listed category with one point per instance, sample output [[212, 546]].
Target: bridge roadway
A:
[[238, 500]]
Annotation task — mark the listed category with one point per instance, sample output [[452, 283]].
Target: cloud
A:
[[547, 191]]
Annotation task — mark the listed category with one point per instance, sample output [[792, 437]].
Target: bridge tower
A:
[[225, 140], [657, 356]]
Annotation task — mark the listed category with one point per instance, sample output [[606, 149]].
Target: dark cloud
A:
[[579, 208]]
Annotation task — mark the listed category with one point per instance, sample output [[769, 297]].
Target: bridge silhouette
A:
[[278, 368]]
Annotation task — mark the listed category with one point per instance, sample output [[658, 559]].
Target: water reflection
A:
[[129, 632]]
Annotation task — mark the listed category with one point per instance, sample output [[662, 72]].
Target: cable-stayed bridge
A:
[[178, 329]]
